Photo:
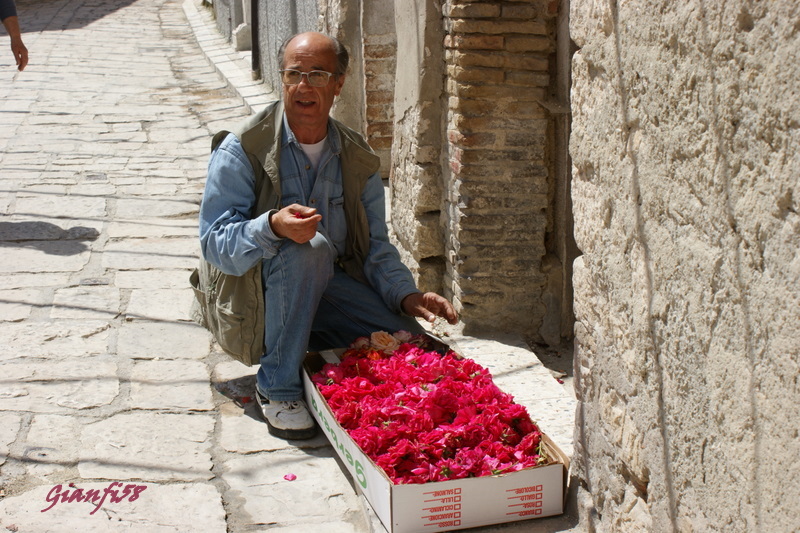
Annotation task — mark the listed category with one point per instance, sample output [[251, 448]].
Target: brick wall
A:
[[379, 67], [499, 138]]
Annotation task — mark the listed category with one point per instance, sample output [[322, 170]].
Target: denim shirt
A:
[[234, 243]]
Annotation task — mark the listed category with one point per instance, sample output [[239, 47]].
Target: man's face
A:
[[307, 107]]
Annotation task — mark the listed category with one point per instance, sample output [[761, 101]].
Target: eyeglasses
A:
[[315, 78]]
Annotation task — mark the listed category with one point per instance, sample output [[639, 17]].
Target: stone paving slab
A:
[[57, 386], [152, 279], [21, 280], [10, 424], [50, 447], [157, 509], [45, 256], [128, 208], [153, 227], [65, 338], [147, 446], [17, 304], [160, 304], [86, 302], [145, 254], [320, 494], [163, 340], [170, 385]]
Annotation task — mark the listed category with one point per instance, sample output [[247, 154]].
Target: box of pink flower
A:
[[429, 439]]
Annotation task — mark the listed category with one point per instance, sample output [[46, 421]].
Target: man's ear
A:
[[339, 82]]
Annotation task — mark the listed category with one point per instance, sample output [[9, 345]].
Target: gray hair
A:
[[342, 56]]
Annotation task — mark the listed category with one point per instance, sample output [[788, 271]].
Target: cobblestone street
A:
[[104, 379]]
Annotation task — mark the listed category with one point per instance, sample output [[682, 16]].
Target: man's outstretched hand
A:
[[295, 222], [429, 305]]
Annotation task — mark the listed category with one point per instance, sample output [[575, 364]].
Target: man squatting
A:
[[329, 272]]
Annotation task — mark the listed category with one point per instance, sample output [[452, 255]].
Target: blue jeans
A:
[[310, 303]]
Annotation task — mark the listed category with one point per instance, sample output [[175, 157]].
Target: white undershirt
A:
[[314, 152]]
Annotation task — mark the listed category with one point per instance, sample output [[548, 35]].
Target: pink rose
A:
[[360, 343], [403, 336]]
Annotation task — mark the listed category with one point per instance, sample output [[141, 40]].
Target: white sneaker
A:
[[287, 420]]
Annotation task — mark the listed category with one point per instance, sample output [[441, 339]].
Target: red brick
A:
[[462, 90], [503, 156], [471, 140], [497, 60], [380, 143], [521, 11], [536, 129], [527, 78], [382, 129], [476, 75], [530, 110], [531, 43], [475, 42], [498, 26], [469, 107], [379, 113], [472, 10]]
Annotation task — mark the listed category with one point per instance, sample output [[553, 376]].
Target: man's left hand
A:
[[428, 306]]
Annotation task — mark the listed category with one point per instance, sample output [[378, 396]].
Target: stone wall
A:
[[416, 183], [223, 14], [273, 22], [685, 139], [277, 21]]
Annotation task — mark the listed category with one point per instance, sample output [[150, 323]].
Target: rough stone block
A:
[[687, 290]]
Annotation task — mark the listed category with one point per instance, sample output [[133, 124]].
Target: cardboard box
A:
[[447, 505]]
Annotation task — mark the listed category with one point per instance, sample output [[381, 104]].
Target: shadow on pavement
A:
[[40, 236], [59, 15]]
